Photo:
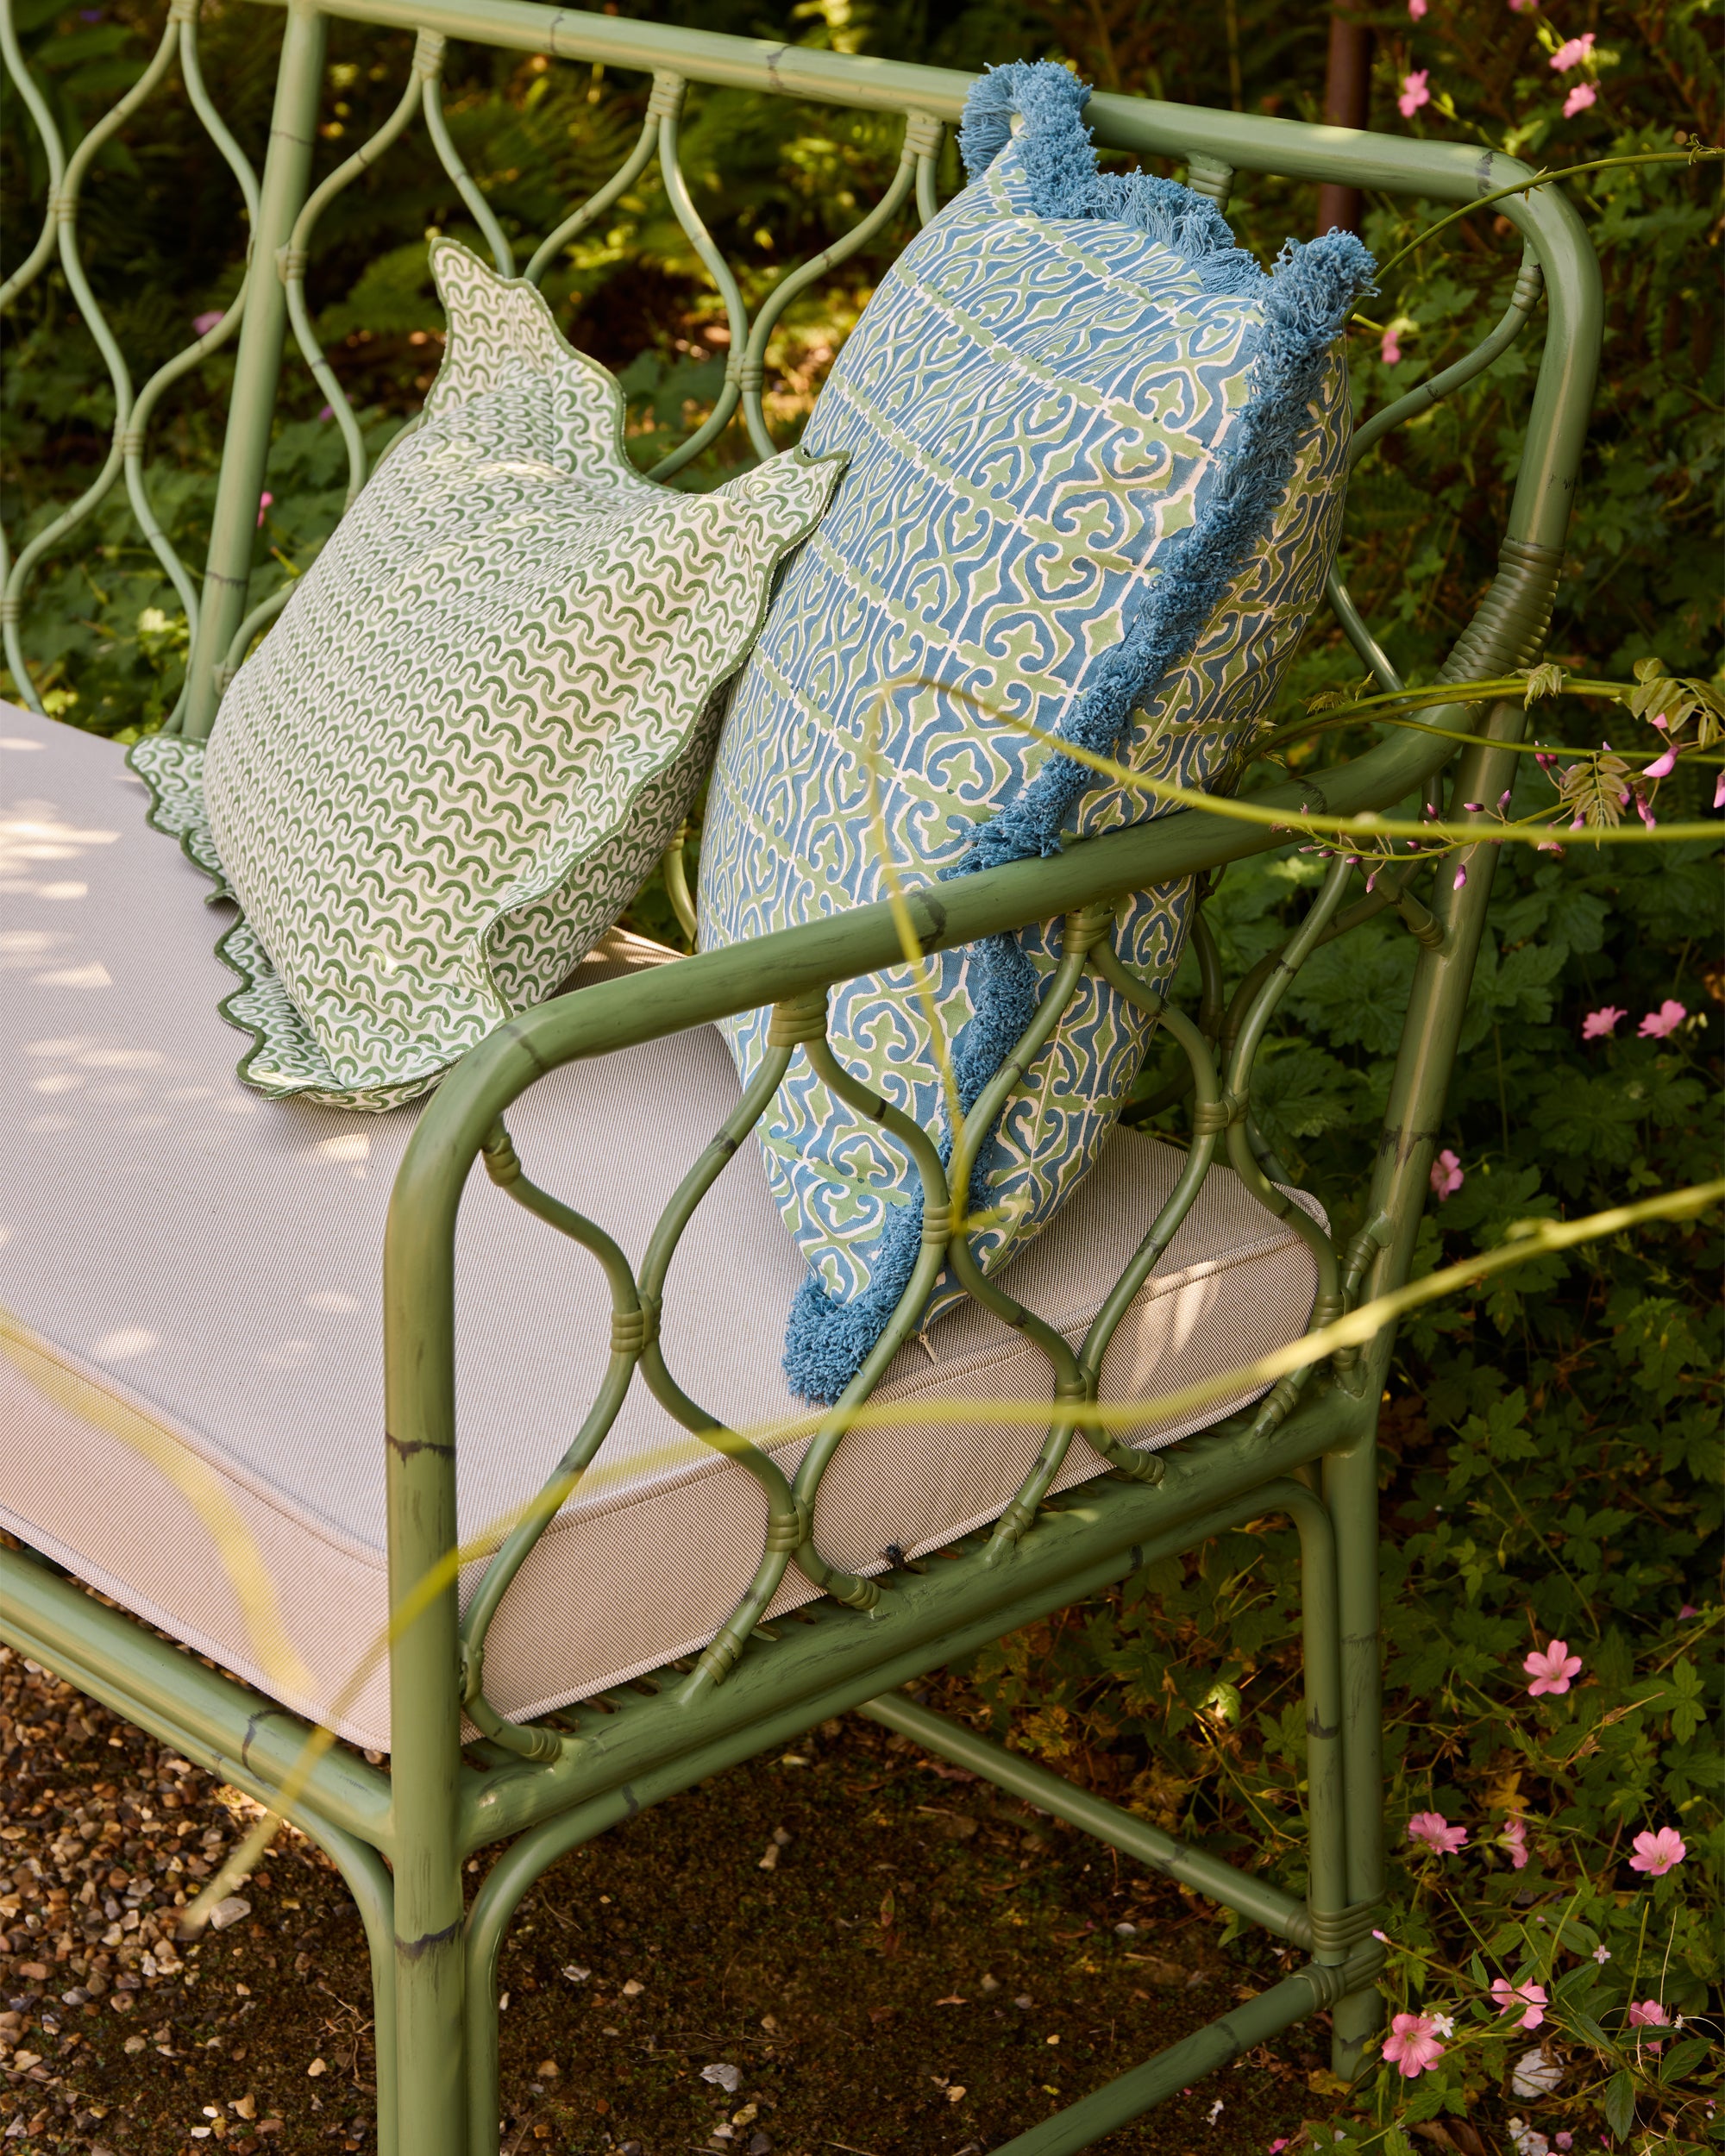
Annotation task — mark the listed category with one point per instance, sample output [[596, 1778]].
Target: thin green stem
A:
[[1698, 155]]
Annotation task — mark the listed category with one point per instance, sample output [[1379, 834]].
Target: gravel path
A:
[[845, 1948]]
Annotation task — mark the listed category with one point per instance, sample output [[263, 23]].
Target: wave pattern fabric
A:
[[1095, 468], [481, 718]]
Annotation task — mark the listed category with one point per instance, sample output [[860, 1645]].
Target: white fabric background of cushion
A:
[[194, 1268]]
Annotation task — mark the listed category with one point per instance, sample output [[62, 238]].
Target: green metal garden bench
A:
[[121, 1142]]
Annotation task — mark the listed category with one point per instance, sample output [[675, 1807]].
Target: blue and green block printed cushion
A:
[[487, 708], [1095, 467]]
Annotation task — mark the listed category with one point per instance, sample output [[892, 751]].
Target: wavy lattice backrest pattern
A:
[[221, 629]]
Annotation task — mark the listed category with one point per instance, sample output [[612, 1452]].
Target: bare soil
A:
[[893, 1960]]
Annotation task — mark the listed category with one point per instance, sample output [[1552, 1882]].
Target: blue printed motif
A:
[[1096, 465]]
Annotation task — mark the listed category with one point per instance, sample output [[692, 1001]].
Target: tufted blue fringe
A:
[[826, 1341], [1305, 304]]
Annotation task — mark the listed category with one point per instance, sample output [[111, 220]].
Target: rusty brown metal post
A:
[[1348, 103]]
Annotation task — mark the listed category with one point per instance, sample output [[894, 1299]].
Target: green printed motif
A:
[[479, 720]]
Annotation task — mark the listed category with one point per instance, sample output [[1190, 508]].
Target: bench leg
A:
[[368, 1880], [430, 2054], [430, 1952], [1351, 1490]]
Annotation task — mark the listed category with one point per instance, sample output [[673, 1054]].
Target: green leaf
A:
[[1620, 2103], [1682, 2058], [1593, 788]]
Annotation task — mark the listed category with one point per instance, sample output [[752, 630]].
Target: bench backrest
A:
[[284, 211]]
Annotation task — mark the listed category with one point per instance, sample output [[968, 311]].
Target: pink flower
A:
[[1460, 883], [1649, 2013], [1517, 6], [1572, 52], [1645, 814], [1689, 1610], [264, 501], [1579, 98], [1433, 1831], [1414, 94], [205, 323], [1416, 8], [1564, 2140], [1447, 1176], [1389, 350], [1665, 1021], [1662, 767], [1600, 1024], [1656, 1854], [1719, 791], [326, 411], [1602, 1954], [1531, 1996], [1552, 1669], [1412, 2044], [1514, 1840]]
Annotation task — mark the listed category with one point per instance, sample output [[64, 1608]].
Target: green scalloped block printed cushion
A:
[[480, 719]]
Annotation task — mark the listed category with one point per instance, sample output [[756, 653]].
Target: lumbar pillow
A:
[[479, 721], [1094, 482]]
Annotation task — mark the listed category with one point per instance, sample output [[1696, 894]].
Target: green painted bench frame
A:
[[402, 1835]]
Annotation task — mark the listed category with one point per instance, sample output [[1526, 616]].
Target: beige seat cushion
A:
[[190, 1305]]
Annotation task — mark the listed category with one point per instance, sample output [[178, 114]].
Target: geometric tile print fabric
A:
[[1096, 469], [480, 719]]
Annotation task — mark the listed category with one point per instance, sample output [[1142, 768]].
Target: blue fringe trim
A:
[[1306, 305]]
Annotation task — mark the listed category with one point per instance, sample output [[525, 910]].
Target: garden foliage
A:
[[1551, 1460]]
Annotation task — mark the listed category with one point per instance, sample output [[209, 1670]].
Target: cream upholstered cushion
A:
[[190, 1303]]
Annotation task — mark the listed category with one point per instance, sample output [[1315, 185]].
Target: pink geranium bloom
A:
[[1572, 52], [1447, 1176], [1514, 1840], [1529, 1996], [1433, 1831], [1414, 94], [205, 323], [1600, 1024], [1656, 1854], [1649, 2013], [1579, 98], [1552, 1668], [1412, 2045], [1389, 350], [1666, 1019]]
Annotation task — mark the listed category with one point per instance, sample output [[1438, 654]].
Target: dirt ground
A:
[[845, 1948]]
